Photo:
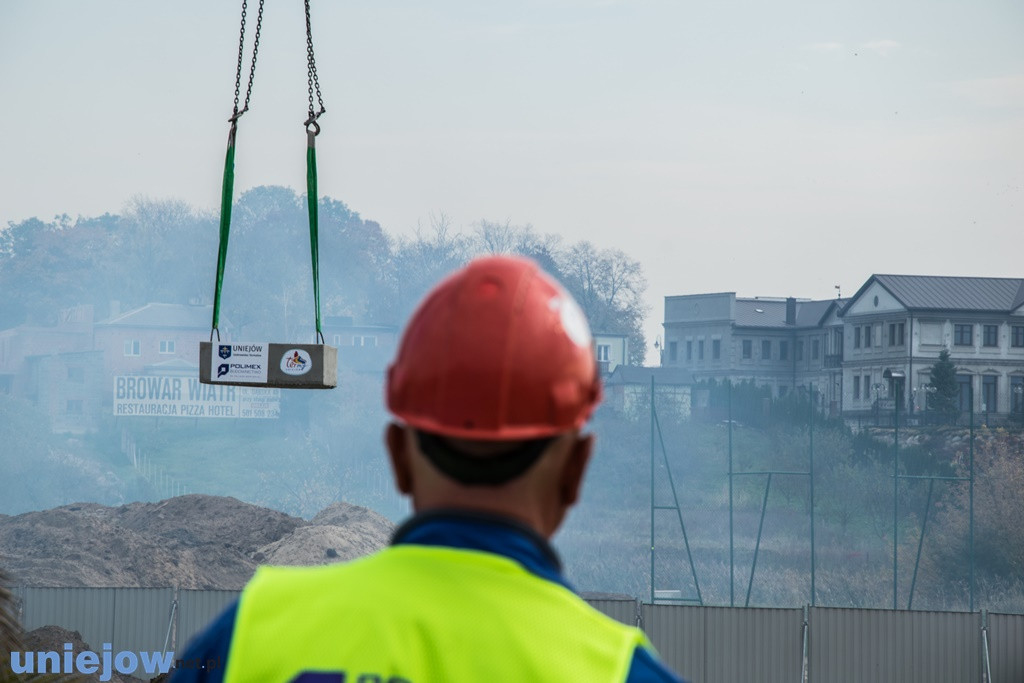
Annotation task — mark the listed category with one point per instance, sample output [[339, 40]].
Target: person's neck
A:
[[494, 507]]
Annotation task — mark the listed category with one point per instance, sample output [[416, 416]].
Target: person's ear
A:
[[575, 468], [398, 453]]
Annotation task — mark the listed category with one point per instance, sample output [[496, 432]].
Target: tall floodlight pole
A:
[[810, 431], [732, 600], [652, 488], [895, 500], [971, 496]]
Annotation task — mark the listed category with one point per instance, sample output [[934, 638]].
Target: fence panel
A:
[[196, 609], [623, 610], [90, 611], [885, 646], [141, 618], [678, 633], [753, 644], [1006, 647]]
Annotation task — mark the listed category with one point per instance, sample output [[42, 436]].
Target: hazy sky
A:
[[768, 148]]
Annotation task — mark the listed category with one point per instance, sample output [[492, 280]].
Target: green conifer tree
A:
[[943, 401]]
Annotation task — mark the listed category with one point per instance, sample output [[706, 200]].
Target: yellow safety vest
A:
[[419, 614]]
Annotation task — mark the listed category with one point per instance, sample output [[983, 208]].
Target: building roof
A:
[[934, 292], [632, 374], [176, 316], [772, 312]]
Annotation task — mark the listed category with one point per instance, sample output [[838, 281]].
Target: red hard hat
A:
[[497, 351]]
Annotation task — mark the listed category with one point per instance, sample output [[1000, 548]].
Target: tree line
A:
[[166, 251]]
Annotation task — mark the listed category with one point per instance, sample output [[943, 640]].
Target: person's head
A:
[[493, 381]]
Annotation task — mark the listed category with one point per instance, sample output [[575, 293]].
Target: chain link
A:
[[313, 79], [241, 47], [252, 67]]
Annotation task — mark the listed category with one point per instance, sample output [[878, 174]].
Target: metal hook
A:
[[311, 121]]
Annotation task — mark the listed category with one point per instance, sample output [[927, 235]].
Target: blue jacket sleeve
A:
[[205, 657], [646, 669]]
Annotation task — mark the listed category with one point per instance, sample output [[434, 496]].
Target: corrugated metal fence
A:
[[704, 644]]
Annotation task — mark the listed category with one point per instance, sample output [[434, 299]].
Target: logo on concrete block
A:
[[296, 362]]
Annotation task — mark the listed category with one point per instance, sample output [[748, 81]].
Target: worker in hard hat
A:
[[494, 379]]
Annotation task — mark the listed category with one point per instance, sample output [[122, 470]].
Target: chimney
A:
[[790, 310]]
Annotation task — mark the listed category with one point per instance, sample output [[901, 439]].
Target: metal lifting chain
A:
[[252, 66], [313, 79]]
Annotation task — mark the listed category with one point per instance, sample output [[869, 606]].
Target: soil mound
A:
[[323, 544], [52, 639], [193, 541]]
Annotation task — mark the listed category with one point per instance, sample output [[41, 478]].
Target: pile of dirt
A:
[[338, 533], [193, 541], [53, 638]]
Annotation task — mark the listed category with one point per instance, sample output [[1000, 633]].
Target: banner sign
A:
[[157, 396]]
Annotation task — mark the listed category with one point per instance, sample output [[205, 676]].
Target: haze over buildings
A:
[[774, 149]]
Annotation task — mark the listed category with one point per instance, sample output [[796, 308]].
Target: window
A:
[[748, 348], [867, 387], [815, 349], [74, 407], [798, 349], [783, 350], [689, 351], [766, 350], [867, 336], [990, 335], [964, 382], [896, 332], [700, 349], [962, 335], [167, 346], [603, 350], [132, 347], [337, 340], [1018, 337], [989, 383], [856, 386], [716, 348], [856, 337], [1017, 395], [672, 351], [364, 340], [76, 374]]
